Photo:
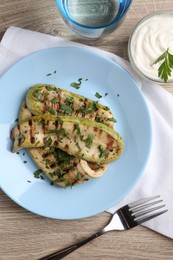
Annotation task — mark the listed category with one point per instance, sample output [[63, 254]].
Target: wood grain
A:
[[24, 235]]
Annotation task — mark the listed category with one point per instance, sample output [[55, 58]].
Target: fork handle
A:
[[62, 253]]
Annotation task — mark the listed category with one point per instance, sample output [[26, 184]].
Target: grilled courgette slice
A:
[[62, 169], [48, 99], [79, 137]]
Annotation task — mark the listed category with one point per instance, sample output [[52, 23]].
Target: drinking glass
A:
[[93, 18]]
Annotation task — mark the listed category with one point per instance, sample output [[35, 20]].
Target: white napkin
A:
[[158, 174]]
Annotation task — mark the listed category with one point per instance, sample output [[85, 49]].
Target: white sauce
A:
[[150, 39]]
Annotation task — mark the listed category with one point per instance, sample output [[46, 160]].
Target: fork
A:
[[124, 218]]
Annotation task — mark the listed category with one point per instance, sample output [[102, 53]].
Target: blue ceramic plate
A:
[[62, 66]]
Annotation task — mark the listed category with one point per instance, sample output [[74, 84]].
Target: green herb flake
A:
[[55, 100], [51, 110], [94, 105], [62, 156], [24, 161], [69, 100], [37, 143], [89, 140], [36, 94], [37, 173], [48, 142], [79, 176], [112, 119], [106, 108], [76, 85], [77, 128], [52, 88], [66, 108], [57, 180], [165, 69], [60, 132], [103, 152], [97, 95], [49, 74], [106, 94], [59, 120], [41, 122]]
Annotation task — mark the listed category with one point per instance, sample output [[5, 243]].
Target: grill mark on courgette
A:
[[32, 138], [110, 142], [43, 125], [45, 155], [19, 140], [56, 124]]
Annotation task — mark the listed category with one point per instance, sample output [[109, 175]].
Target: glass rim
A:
[[117, 18], [131, 59]]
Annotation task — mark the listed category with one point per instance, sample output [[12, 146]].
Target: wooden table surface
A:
[[24, 235]]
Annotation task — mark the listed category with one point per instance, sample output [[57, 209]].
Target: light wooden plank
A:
[[24, 235]]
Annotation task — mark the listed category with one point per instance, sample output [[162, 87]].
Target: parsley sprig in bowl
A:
[[150, 47]]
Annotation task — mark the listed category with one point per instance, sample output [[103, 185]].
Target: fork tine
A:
[[139, 208], [142, 201], [144, 212], [144, 219]]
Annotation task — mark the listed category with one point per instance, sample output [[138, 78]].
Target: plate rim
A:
[[114, 63]]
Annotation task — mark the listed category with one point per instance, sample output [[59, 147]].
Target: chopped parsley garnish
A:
[[66, 108], [60, 132], [51, 110], [48, 142], [112, 119], [57, 180], [59, 120], [99, 119], [106, 108], [37, 143], [37, 174], [69, 100], [41, 122], [36, 94], [79, 176], [77, 128], [24, 161], [76, 85], [49, 74], [106, 94], [62, 156], [89, 140], [85, 111], [103, 152], [52, 88], [97, 95], [94, 105], [55, 100]]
